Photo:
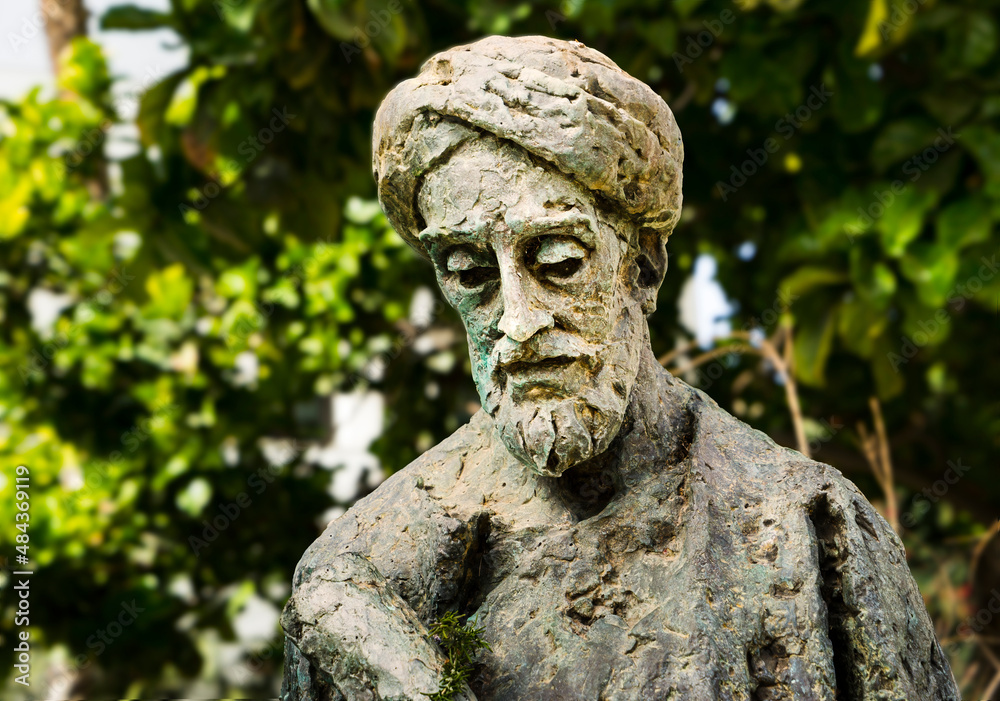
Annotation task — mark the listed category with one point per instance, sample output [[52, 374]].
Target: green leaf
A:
[[951, 103], [83, 70], [340, 18], [238, 14], [240, 597], [984, 144], [843, 220], [359, 211], [965, 222], [661, 34], [153, 106], [683, 8], [808, 278], [857, 99], [169, 293], [924, 324], [747, 72], [872, 34], [991, 107], [239, 282], [887, 367], [184, 101], [97, 370], [134, 17], [874, 281], [900, 140], [813, 343], [902, 214], [932, 269], [193, 498], [971, 40], [860, 325], [14, 207]]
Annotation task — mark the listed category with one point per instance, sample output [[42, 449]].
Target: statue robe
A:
[[724, 567]]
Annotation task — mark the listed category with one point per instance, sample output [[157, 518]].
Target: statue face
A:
[[543, 280]]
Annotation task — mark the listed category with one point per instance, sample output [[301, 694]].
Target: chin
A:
[[550, 434]]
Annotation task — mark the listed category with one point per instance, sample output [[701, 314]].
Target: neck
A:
[[652, 440]]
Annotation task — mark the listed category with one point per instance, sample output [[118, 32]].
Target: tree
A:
[[64, 21], [841, 167]]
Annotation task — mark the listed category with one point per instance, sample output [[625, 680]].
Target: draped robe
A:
[[721, 566]]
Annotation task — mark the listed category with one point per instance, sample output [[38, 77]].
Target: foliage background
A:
[[220, 289]]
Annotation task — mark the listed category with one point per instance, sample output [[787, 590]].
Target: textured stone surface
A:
[[567, 104], [616, 534], [724, 567], [379, 643]]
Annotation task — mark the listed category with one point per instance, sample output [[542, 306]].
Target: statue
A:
[[615, 533]]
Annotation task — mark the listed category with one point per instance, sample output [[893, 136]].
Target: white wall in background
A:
[[24, 51], [703, 306]]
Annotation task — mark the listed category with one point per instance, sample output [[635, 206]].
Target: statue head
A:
[[542, 182]]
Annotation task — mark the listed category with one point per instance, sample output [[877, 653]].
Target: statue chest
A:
[[634, 605]]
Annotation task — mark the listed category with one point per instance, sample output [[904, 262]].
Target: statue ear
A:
[[651, 262]]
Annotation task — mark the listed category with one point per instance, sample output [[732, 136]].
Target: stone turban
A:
[[566, 104]]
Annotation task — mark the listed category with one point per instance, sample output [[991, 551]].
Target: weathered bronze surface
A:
[[616, 533]]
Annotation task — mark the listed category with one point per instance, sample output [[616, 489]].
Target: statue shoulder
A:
[[780, 506], [731, 454], [402, 523]]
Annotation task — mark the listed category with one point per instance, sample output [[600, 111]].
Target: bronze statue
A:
[[615, 533]]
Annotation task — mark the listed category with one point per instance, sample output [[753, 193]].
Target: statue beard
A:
[[574, 416]]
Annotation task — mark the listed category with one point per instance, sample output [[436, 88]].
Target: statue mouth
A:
[[542, 366], [551, 366], [526, 378]]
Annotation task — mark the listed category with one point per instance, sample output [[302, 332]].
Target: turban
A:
[[566, 104]]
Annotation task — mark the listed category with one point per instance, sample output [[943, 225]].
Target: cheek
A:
[[591, 304], [480, 319], [470, 307]]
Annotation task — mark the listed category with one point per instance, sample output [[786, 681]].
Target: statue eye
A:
[[558, 257], [471, 271]]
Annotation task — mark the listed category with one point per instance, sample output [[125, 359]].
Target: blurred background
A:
[[212, 343]]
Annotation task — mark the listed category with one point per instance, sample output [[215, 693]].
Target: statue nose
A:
[[520, 321]]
